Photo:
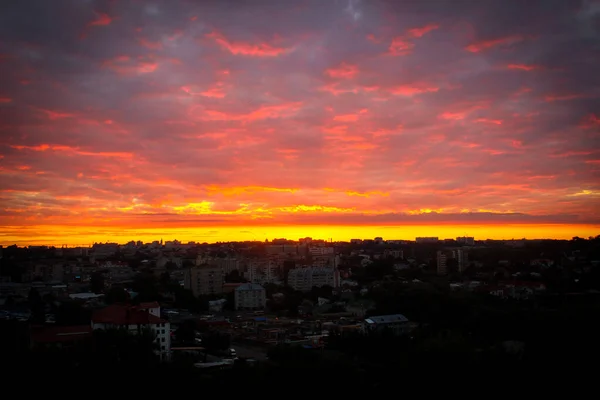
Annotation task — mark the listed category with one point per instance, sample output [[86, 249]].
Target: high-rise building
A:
[[441, 258], [459, 256], [250, 296], [204, 280]]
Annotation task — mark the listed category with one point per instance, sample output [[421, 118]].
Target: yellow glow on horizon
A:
[[86, 235]]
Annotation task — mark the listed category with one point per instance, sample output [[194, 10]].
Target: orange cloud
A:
[[489, 121], [452, 116], [418, 32], [413, 90], [488, 44], [247, 49], [350, 117], [245, 190], [344, 71]]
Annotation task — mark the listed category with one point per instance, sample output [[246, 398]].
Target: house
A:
[[59, 336], [136, 319], [395, 323], [250, 296]]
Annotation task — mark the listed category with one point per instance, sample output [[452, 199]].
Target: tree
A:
[[97, 282], [165, 279], [186, 332], [36, 304], [216, 341], [116, 295], [72, 313]]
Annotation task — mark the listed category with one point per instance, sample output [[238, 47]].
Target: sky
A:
[[240, 120]]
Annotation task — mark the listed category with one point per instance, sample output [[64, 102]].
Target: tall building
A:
[[227, 264], [204, 280], [304, 279], [459, 256], [250, 296], [441, 258]]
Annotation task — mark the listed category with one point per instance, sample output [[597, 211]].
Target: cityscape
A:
[[298, 197], [216, 308]]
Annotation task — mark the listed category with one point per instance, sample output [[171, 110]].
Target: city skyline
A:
[[220, 121]]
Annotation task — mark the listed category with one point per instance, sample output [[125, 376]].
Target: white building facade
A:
[[250, 296]]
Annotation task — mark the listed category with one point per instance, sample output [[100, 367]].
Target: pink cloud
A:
[[344, 71], [524, 67], [102, 19], [247, 49], [412, 90], [400, 47], [483, 45], [419, 32]]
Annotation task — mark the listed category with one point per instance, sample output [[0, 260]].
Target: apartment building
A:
[[204, 280], [136, 320], [304, 279], [250, 296], [457, 257]]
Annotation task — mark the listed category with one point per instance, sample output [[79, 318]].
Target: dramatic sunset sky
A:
[[241, 120]]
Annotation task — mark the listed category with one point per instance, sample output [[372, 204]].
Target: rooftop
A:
[[56, 334], [386, 319], [120, 314]]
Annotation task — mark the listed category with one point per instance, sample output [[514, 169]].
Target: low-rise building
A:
[[136, 320], [397, 324], [250, 296]]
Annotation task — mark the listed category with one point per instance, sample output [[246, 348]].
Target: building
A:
[[459, 257], [263, 271], [136, 320], [250, 296], [468, 241], [59, 336], [227, 264], [441, 260], [304, 279], [397, 324], [427, 240], [320, 251], [204, 280]]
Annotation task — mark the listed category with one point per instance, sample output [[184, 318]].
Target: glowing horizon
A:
[[208, 234], [345, 116]]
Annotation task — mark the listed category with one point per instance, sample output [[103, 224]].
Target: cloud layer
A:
[[309, 112]]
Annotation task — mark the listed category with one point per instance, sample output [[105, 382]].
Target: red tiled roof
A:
[[118, 314], [145, 306], [56, 334]]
